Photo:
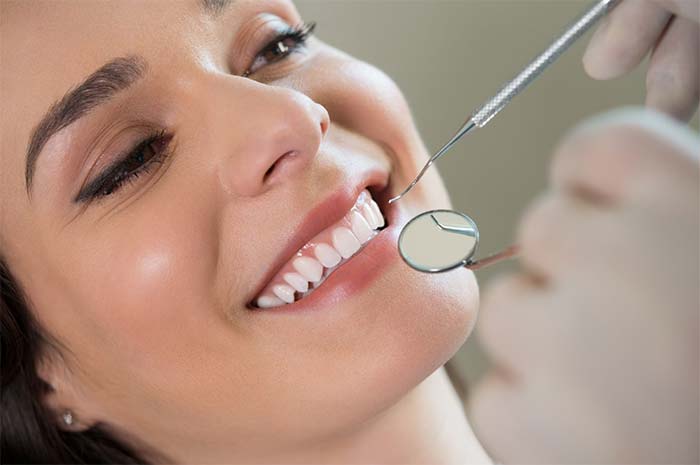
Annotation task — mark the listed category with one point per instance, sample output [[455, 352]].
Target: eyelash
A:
[[115, 177], [124, 171]]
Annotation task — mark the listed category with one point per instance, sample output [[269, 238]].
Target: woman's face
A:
[[164, 192]]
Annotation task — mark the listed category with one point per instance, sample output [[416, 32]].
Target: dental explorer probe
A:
[[486, 112]]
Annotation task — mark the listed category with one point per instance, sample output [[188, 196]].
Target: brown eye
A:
[[281, 47]]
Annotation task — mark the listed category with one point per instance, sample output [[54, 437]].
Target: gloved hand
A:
[[667, 28], [595, 341]]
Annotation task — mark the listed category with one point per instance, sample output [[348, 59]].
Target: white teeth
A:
[[268, 301], [375, 208], [297, 281], [345, 242], [360, 228], [309, 268], [284, 292], [363, 219], [327, 255], [370, 216], [363, 198]]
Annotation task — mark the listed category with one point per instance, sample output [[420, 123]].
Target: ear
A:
[[64, 396]]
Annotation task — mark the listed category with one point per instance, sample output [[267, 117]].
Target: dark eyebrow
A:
[[97, 89], [215, 7]]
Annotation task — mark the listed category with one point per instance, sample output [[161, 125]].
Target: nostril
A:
[[276, 165], [325, 120], [269, 171]]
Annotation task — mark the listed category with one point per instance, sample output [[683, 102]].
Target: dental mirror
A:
[[442, 240]]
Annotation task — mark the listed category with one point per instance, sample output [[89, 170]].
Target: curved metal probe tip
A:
[[464, 230], [468, 126]]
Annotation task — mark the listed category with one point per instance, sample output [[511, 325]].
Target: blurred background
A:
[[449, 57]]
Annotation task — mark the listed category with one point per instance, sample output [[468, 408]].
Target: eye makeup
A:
[[141, 159]]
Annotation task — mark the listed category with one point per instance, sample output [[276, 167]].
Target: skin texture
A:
[[146, 289], [595, 340]]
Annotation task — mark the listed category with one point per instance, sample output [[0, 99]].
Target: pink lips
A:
[[360, 271], [322, 255], [329, 211]]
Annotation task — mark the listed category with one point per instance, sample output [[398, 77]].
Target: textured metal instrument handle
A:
[[491, 108]]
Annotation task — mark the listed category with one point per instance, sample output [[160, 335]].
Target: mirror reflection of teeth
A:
[[325, 253]]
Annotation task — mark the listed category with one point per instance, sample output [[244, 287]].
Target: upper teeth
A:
[[323, 254]]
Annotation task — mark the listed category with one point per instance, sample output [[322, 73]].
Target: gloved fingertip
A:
[[681, 110], [669, 93], [593, 67], [596, 61]]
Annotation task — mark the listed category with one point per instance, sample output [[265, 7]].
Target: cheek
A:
[[360, 97], [421, 322], [146, 289], [363, 99]]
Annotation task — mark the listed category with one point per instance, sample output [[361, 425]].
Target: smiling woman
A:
[[198, 261]]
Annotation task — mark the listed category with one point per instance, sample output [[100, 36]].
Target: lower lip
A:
[[356, 274]]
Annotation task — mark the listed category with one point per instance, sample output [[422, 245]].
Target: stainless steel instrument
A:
[[486, 112]]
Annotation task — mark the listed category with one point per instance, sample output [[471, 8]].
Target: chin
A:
[[412, 324], [428, 319]]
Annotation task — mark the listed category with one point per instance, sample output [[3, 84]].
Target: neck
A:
[[426, 426]]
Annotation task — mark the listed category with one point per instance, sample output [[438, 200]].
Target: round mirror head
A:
[[438, 240]]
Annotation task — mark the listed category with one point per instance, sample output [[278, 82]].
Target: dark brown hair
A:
[[29, 432]]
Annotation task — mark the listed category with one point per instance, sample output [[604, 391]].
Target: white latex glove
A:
[[667, 28], [595, 341]]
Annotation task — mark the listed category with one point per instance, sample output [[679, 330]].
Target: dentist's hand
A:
[[595, 341], [667, 28]]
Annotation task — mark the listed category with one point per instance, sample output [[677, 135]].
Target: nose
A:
[[277, 132]]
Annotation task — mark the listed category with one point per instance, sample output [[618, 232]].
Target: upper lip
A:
[[325, 213]]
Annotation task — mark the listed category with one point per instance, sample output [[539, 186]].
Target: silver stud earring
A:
[[67, 418]]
